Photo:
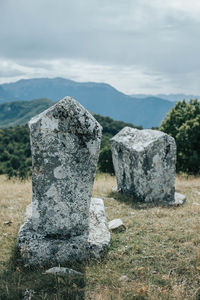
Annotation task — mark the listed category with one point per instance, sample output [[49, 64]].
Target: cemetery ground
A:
[[157, 257]]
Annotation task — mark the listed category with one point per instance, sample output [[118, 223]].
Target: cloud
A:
[[128, 79], [10, 69], [133, 37]]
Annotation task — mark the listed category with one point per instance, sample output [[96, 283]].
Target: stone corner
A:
[[179, 199]]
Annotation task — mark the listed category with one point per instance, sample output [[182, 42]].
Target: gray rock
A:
[[179, 199], [123, 278], [116, 225], [8, 223], [28, 294], [63, 224], [65, 142], [114, 189], [99, 236], [63, 271], [144, 163]]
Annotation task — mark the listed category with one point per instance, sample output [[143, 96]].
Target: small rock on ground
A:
[[116, 225], [114, 189], [63, 271], [28, 294], [8, 223], [123, 277]]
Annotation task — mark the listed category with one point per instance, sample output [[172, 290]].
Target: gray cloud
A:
[[144, 36]]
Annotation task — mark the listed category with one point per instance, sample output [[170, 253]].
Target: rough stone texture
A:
[[65, 143], [116, 225], [38, 249], [59, 226], [144, 163]]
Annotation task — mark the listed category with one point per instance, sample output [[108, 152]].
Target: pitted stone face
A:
[[144, 163], [65, 142]]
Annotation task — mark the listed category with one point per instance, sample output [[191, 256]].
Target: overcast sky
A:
[[138, 46]]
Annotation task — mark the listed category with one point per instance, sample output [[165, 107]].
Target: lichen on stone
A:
[[144, 163]]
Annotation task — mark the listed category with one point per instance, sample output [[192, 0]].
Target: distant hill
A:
[[99, 98], [20, 112], [169, 97]]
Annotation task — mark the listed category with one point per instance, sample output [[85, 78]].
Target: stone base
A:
[[179, 199], [36, 249]]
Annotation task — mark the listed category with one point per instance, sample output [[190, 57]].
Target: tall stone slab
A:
[[144, 163], [65, 143]]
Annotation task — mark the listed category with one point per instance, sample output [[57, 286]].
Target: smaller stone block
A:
[[144, 163]]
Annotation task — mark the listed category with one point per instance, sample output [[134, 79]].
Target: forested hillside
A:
[[20, 112], [15, 153]]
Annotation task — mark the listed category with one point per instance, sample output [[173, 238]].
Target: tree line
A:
[[15, 151], [182, 123]]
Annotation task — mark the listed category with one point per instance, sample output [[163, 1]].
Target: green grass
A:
[[157, 257]]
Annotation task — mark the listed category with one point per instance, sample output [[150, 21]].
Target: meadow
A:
[[157, 257]]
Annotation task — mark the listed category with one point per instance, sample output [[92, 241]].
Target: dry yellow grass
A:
[[103, 185], [15, 195], [158, 255]]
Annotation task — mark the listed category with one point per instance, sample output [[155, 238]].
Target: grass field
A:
[[157, 257]]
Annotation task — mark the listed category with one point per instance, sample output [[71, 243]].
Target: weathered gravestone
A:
[[144, 163], [63, 223]]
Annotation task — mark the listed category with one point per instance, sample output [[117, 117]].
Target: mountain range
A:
[[99, 98], [169, 97]]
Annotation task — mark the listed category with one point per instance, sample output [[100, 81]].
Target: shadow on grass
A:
[[134, 204], [20, 283]]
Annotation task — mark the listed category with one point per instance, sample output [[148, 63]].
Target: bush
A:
[[15, 154], [183, 123], [105, 163]]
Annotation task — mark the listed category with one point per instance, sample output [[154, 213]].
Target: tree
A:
[[183, 123], [15, 154], [105, 163], [15, 151]]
